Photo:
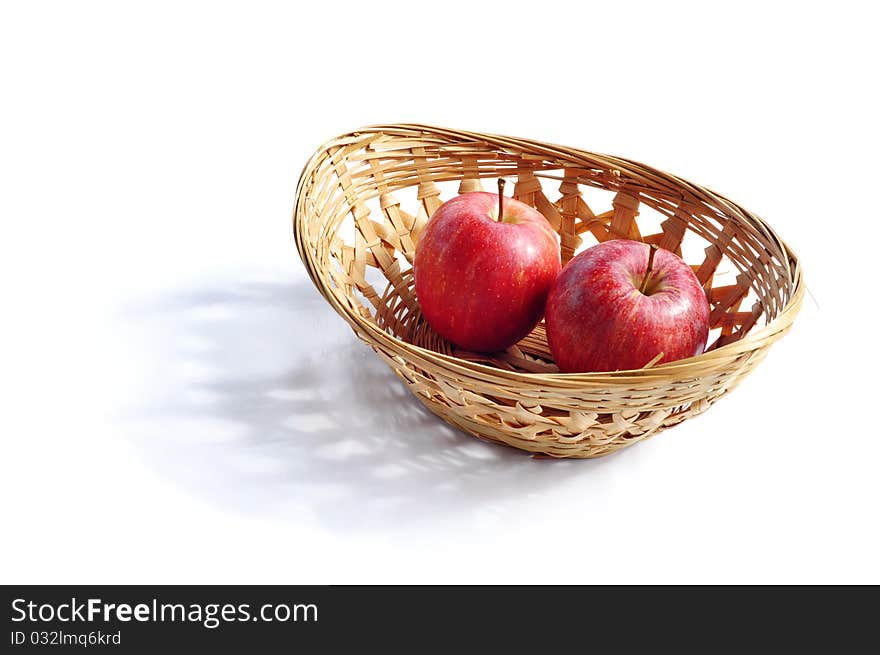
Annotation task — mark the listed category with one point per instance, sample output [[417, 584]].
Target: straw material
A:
[[364, 198]]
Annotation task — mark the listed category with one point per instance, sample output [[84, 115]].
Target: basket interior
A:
[[372, 196]]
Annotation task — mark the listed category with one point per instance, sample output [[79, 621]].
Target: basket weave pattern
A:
[[357, 236]]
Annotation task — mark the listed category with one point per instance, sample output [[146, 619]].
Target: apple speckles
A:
[[612, 325], [494, 277]]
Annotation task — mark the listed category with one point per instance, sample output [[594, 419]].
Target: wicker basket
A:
[[364, 197]]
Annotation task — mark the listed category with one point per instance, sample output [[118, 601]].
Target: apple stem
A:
[[644, 285], [501, 183]]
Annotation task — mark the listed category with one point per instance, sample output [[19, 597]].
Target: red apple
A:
[[482, 282], [615, 307]]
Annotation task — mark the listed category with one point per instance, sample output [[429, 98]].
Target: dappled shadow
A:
[[265, 402]]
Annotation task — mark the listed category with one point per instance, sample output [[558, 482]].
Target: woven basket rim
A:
[[692, 367]]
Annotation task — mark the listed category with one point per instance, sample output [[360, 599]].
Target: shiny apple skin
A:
[[598, 320], [482, 284]]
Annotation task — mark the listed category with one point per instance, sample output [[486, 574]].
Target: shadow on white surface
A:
[[261, 399]]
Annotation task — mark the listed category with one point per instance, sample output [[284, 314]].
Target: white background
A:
[[180, 405]]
